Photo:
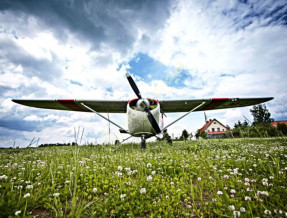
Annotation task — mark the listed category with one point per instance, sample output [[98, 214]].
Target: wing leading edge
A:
[[101, 106], [169, 106]]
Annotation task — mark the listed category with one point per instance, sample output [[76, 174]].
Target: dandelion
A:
[[149, 165], [56, 194], [231, 207], [17, 212], [143, 191], [247, 198], [26, 195], [236, 213], [95, 190], [267, 212], [220, 193], [149, 178]]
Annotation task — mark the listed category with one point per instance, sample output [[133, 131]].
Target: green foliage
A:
[[194, 178], [202, 134], [185, 135], [261, 115], [282, 128]]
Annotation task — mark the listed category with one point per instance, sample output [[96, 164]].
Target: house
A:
[[275, 123], [214, 129]]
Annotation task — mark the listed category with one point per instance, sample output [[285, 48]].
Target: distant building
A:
[[275, 123], [214, 129]]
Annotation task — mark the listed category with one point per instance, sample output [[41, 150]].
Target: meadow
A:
[[207, 178]]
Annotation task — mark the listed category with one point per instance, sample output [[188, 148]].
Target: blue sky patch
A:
[[149, 69], [76, 83]]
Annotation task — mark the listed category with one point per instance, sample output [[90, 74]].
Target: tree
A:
[[184, 135], [282, 128], [261, 115]]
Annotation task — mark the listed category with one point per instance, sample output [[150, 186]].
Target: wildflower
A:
[[29, 187], [225, 177], [242, 209], [56, 194], [210, 178], [153, 172], [220, 193], [236, 213], [167, 197], [17, 212], [247, 198], [143, 191], [267, 212], [3, 177], [214, 199], [189, 206], [120, 168], [122, 196], [148, 165], [149, 178], [67, 182], [199, 179], [26, 195], [232, 191], [172, 183], [246, 180], [231, 207], [95, 190], [271, 177]]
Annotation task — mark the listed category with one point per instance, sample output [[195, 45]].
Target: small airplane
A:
[[143, 113]]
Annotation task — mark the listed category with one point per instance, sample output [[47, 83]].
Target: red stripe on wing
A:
[[71, 104]]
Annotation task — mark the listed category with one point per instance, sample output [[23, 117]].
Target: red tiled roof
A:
[[275, 123], [205, 126]]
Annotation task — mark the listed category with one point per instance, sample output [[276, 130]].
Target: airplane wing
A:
[[101, 106], [169, 106]]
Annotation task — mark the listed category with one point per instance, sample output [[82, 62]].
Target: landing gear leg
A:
[[143, 143]]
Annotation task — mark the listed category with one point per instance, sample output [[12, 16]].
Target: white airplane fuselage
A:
[[138, 122]]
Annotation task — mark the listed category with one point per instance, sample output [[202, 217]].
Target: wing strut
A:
[[182, 116], [90, 109]]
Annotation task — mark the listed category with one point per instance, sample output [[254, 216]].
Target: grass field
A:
[[232, 177]]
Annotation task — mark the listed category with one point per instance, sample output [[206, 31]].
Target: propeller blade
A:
[[152, 120], [133, 85]]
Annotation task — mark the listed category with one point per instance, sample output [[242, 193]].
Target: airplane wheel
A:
[[169, 141], [143, 144], [117, 142]]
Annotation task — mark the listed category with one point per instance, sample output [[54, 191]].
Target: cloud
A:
[[174, 49]]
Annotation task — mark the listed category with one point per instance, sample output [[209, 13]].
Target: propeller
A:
[[143, 104]]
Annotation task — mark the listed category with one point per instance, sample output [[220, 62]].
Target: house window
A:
[[212, 129], [214, 123], [223, 130], [218, 129]]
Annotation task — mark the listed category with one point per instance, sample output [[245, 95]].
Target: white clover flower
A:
[[135, 171], [271, 177], [95, 190], [232, 191], [29, 187], [17, 212], [210, 178], [242, 209], [225, 177], [246, 180], [120, 168], [189, 206], [122, 196], [26, 195], [267, 212], [220, 193], [56, 194], [68, 182], [3, 177], [149, 178], [153, 172], [214, 199], [172, 183], [231, 207], [199, 179], [236, 213], [149, 165], [143, 191], [167, 197], [247, 198]]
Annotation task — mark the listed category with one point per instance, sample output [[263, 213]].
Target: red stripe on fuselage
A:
[[71, 104]]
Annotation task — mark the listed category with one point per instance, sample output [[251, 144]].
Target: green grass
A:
[[194, 178]]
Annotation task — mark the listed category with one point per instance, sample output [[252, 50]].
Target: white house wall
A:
[[215, 126]]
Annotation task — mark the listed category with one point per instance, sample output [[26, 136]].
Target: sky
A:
[[181, 49]]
